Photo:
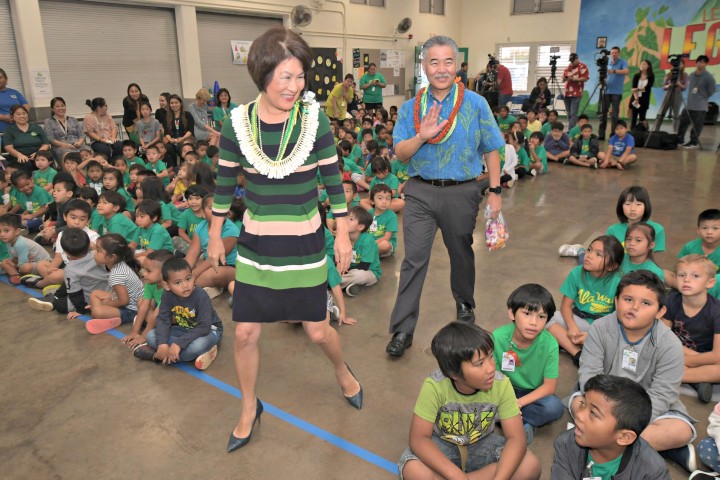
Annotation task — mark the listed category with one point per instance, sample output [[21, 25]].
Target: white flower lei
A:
[[283, 167]]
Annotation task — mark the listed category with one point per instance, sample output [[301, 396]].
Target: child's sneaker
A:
[[144, 352], [334, 314], [704, 391], [533, 172], [44, 304], [51, 289], [683, 456], [568, 250], [30, 280], [510, 183], [205, 360], [14, 279], [353, 289], [100, 325], [213, 291]]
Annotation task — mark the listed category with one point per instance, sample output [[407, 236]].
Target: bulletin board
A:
[[391, 63], [326, 71]]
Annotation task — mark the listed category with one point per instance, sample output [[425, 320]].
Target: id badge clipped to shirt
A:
[[629, 359], [373, 226], [508, 362]]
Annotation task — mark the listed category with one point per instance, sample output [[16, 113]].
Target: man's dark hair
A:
[[709, 214], [10, 220], [615, 48], [174, 265], [77, 204], [533, 297], [75, 242], [456, 343], [161, 256], [583, 117], [645, 278], [630, 403], [702, 58], [363, 216]]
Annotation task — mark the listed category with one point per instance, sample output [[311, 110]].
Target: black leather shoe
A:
[[465, 313], [400, 341]]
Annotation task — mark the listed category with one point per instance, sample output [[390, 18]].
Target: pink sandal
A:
[[100, 325]]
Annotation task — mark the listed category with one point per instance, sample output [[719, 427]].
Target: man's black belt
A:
[[443, 182]]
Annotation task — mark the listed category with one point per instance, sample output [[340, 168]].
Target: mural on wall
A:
[[326, 70], [649, 30]]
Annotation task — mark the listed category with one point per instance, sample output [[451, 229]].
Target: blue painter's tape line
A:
[[276, 412]]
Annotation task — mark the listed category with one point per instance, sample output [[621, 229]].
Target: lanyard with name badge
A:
[[630, 356], [510, 359], [588, 469]]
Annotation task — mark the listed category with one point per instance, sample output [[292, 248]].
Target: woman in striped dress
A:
[[280, 142]]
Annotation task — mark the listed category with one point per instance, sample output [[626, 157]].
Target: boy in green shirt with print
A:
[[504, 119], [156, 165], [365, 265], [537, 154], [31, 201], [385, 223]]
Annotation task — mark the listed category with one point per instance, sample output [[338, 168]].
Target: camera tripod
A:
[[602, 86], [553, 84], [667, 102]]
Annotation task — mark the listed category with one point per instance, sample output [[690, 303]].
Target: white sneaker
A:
[[213, 291], [533, 172], [335, 314], [205, 360], [510, 183], [568, 250]]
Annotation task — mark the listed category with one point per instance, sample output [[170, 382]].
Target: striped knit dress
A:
[[281, 271]]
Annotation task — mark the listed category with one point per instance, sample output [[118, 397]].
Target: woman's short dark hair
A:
[[272, 48], [532, 296], [630, 403], [456, 343], [540, 80], [95, 103], [220, 92], [350, 76]]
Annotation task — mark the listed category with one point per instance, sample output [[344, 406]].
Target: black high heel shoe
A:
[[234, 443], [357, 399]]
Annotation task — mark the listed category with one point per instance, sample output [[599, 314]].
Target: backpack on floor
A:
[[661, 140]]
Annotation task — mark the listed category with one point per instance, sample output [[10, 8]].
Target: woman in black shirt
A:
[[131, 110]]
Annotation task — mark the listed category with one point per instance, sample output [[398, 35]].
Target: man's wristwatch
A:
[[495, 190]]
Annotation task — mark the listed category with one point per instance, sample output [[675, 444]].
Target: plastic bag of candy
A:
[[496, 231]]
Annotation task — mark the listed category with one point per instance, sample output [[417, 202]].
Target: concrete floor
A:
[[77, 406]]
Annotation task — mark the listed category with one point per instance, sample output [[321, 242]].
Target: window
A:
[[372, 3], [536, 6], [436, 7], [543, 68], [517, 59]]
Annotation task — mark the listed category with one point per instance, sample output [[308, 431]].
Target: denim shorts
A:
[[480, 453], [127, 315]]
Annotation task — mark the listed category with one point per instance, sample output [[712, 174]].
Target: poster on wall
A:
[[325, 72], [654, 31], [41, 83], [392, 58], [240, 49]]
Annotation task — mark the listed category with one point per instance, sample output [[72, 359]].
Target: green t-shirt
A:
[[129, 201], [154, 238], [628, 267], [533, 364], [575, 132], [619, 231], [373, 93], [4, 251], [334, 277], [154, 292], [356, 153], [220, 113], [158, 167], [523, 158], [170, 211], [464, 419], [542, 155], [188, 221], [239, 225], [695, 246], [504, 123], [591, 295], [121, 225], [585, 146], [383, 223], [546, 128], [400, 170], [126, 179], [96, 221], [207, 160], [43, 178], [351, 166], [329, 244], [365, 250], [130, 161], [37, 199], [605, 470], [391, 181], [715, 290]]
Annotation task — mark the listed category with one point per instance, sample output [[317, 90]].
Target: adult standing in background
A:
[[131, 110], [642, 84], [65, 133], [281, 143], [442, 134], [504, 85], [462, 73], [680, 85], [574, 76], [339, 99], [700, 87], [23, 140], [8, 98], [101, 128], [372, 84], [617, 71]]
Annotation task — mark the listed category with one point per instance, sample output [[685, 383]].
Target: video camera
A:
[[601, 58], [675, 59], [492, 61]]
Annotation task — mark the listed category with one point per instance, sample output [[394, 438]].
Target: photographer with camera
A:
[[679, 84], [574, 76], [700, 86], [617, 69]]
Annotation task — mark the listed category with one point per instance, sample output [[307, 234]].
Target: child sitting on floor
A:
[[708, 241], [151, 235], [23, 253], [187, 328], [43, 176], [365, 265], [110, 206], [31, 201], [634, 206], [557, 144], [190, 218], [384, 226], [621, 149], [452, 430], [639, 244], [585, 149]]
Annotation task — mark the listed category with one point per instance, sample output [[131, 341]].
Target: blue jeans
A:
[[34, 224], [707, 451], [572, 104], [196, 348], [543, 411], [504, 99]]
